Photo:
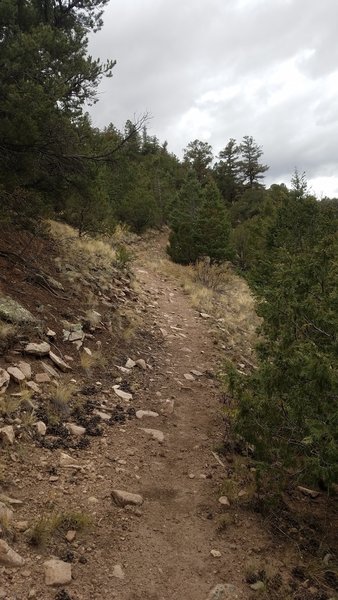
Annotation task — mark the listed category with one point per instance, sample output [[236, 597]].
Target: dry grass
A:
[[8, 333], [91, 361], [41, 533]]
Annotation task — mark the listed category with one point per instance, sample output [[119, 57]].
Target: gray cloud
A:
[[215, 69]]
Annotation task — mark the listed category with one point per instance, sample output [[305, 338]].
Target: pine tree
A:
[[227, 172], [212, 233], [252, 170]]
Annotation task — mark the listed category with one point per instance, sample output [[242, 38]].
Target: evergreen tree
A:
[[252, 170], [213, 227], [199, 156], [227, 172]]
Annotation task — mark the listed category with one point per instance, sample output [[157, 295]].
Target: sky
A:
[[219, 69]]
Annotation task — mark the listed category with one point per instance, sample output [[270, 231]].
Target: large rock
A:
[[122, 498], [57, 572], [61, 364], [12, 311], [4, 380], [16, 374], [9, 557], [40, 349]]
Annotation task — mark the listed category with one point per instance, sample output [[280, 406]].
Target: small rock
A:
[[41, 428], [42, 378], [196, 373], [258, 586], [104, 416], [87, 351], [57, 572], [16, 374], [225, 592], [67, 461], [122, 394], [215, 553], [156, 434], [21, 526], [51, 334], [141, 363], [76, 430], [130, 364], [189, 377], [146, 413], [71, 535], [118, 572], [191, 476], [61, 364], [41, 349], [205, 315], [224, 501], [122, 498], [7, 435], [9, 557], [308, 492], [6, 514]]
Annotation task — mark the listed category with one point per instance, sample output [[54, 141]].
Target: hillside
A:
[[119, 460]]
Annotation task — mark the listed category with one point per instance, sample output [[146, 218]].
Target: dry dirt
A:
[[164, 547]]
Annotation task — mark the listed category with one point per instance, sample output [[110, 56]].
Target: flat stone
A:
[[40, 427], [104, 416], [122, 498], [25, 368], [121, 394], [141, 363], [50, 370], [225, 592], [12, 311], [57, 572], [33, 386], [140, 414], [307, 492], [87, 351], [258, 586], [7, 435], [41, 349], [16, 374], [42, 378], [205, 315], [67, 461], [9, 557], [9, 500], [76, 430], [50, 333], [118, 572], [196, 373], [189, 377], [61, 364], [156, 434], [76, 336], [130, 364], [4, 380]]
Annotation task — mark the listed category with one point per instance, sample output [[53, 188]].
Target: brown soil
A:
[[164, 548]]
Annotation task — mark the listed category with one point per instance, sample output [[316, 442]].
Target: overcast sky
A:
[[215, 69]]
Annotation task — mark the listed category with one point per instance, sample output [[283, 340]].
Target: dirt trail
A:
[[167, 551]]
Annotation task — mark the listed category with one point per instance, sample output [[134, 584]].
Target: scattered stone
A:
[[186, 349], [156, 434], [16, 374], [21, 526], [104, 416], [124, 370], [67, 461], [57, 572], [33, 386], [215, 553], [61, 364], [130, 364], [225, 592], [71, 535], [42, 378], [205, 315], [9, 557], [224, 501], [12, 311], [141, 363], [6, 514], [50, 370], [118, 572], [121, 394], [41, 349], [258, 586], [9, 500], [122, 498], [75, 429], [4, 380], [191, 476], [25, 368], [308, 492], [51, 334], [41, 428], [87, 351], [140, 414], [7, 435], [189, 377], [76, 336], [196, 373]]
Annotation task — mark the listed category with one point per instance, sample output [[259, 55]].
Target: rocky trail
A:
[[153, 483]]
